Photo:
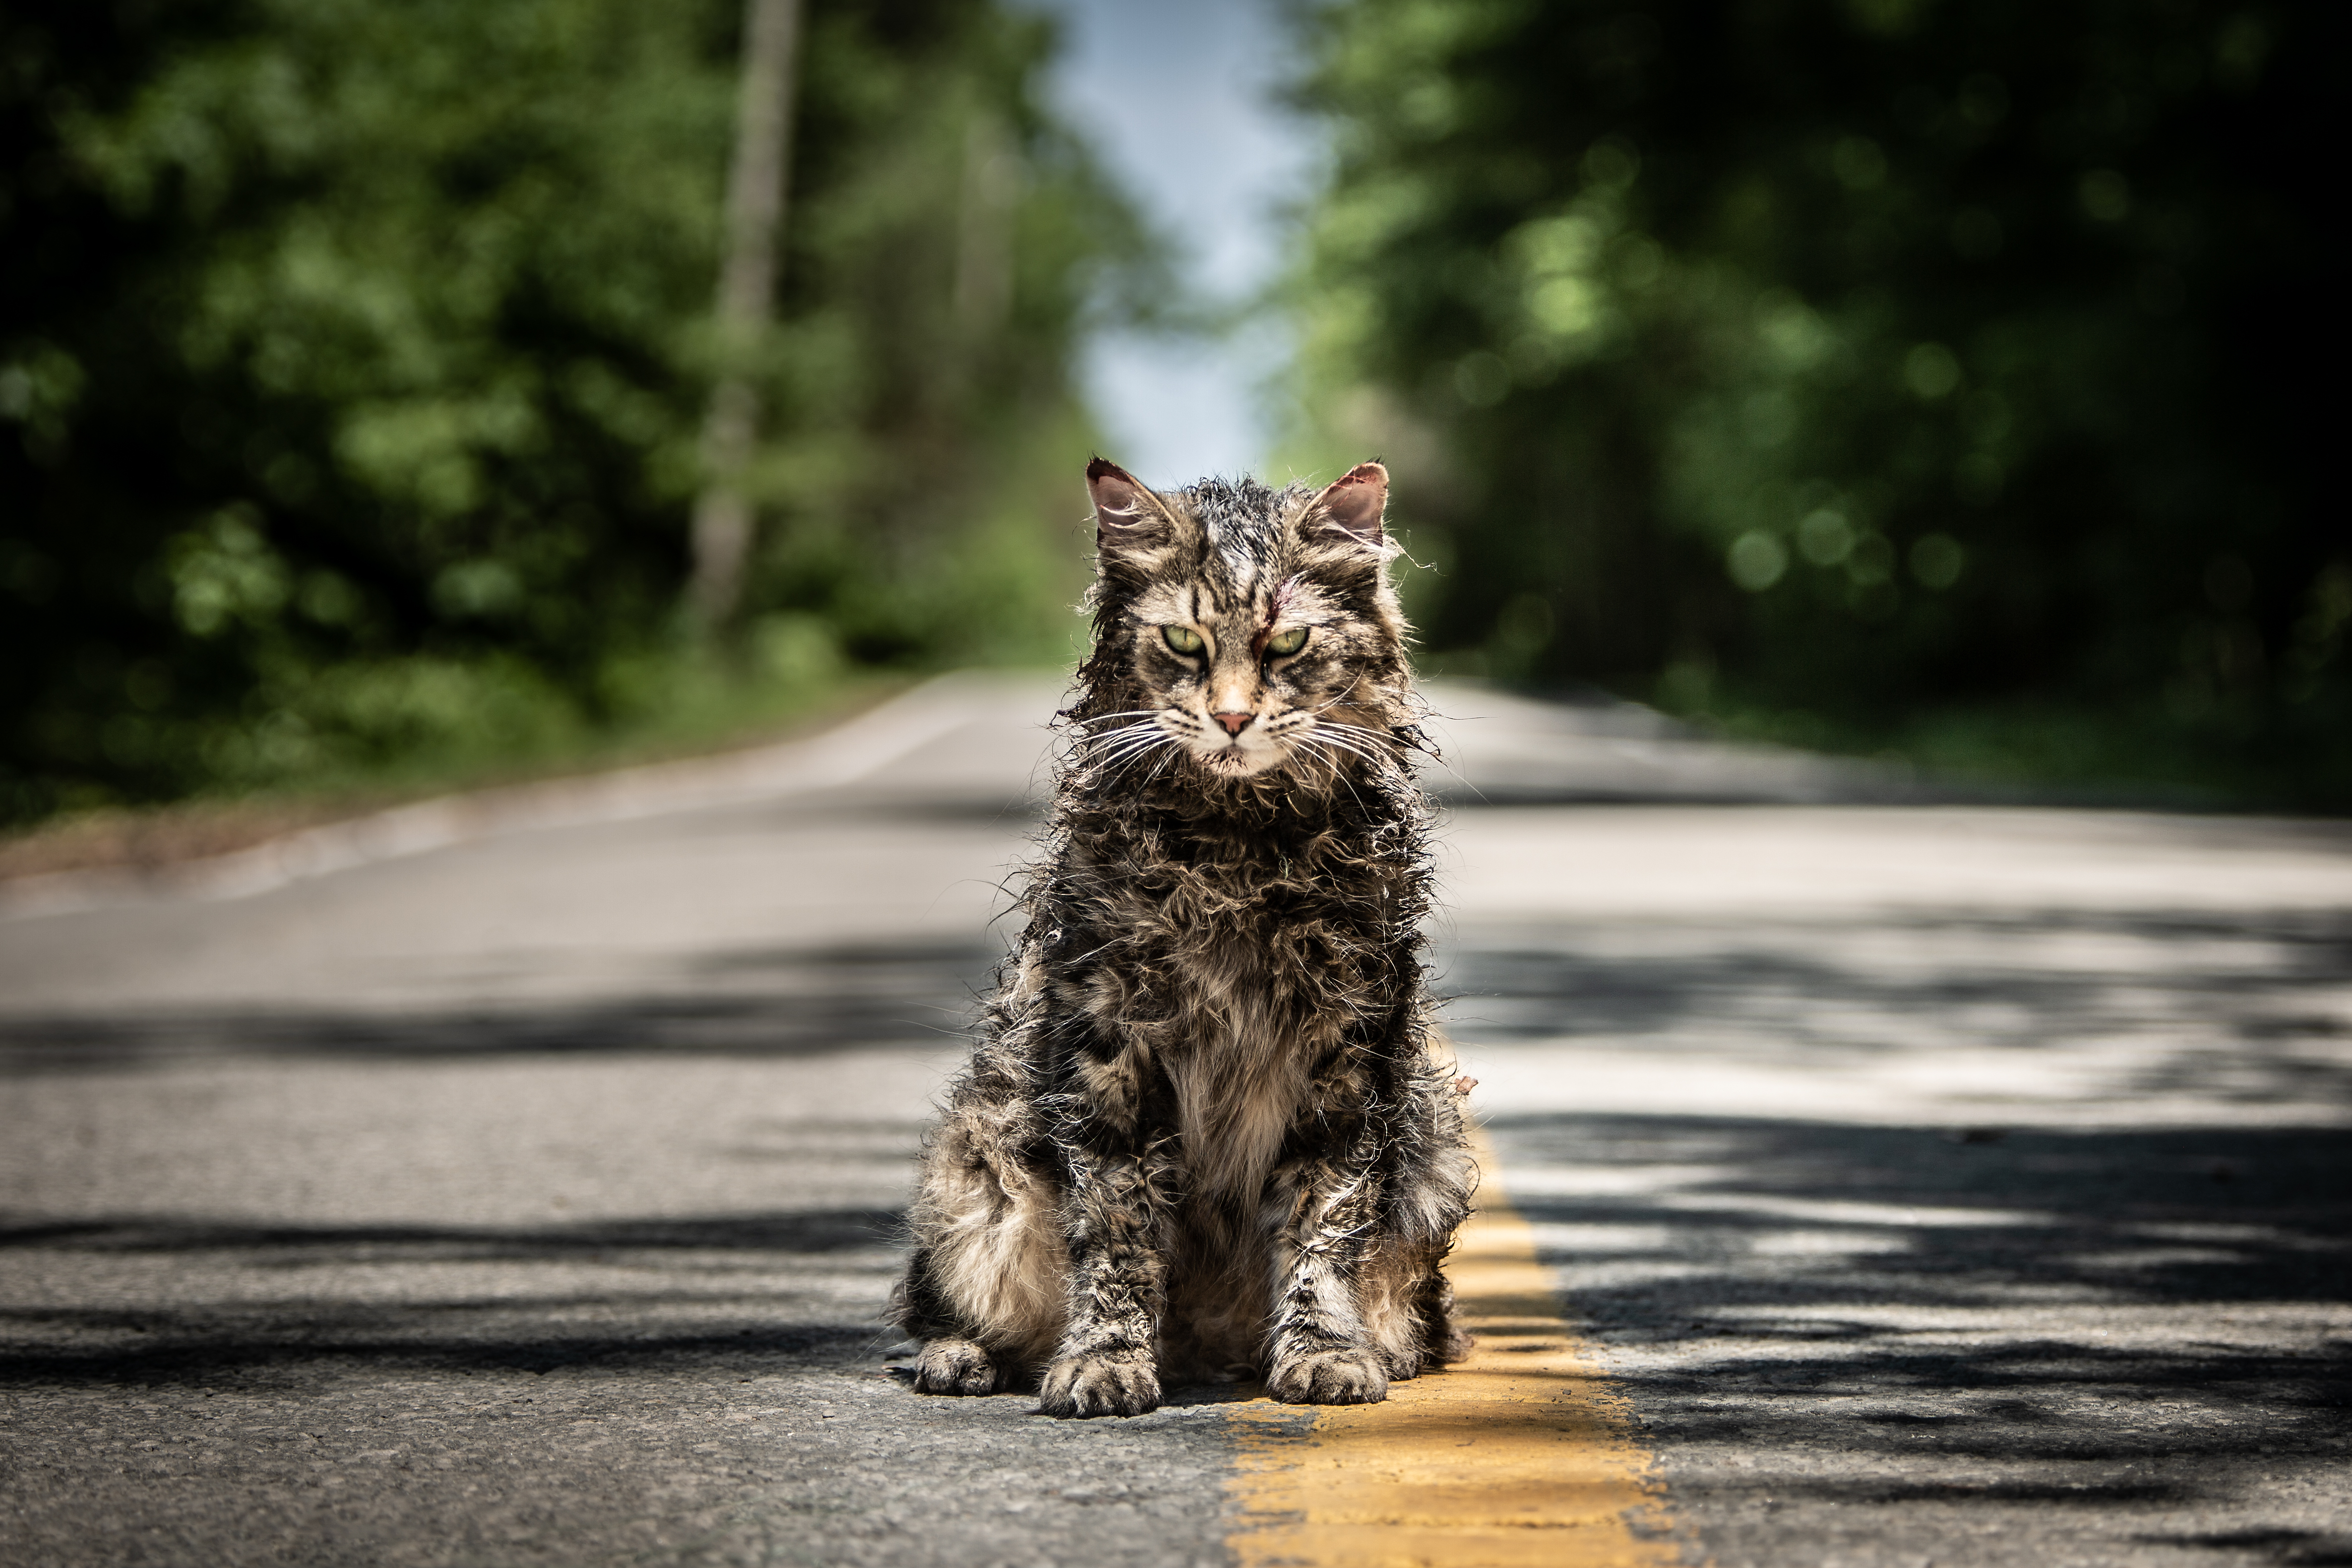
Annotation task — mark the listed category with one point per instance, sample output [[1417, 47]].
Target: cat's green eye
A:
[[1183, 639], [1287, 643]]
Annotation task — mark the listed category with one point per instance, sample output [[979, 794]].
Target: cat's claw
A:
[[954, 1366], [1330, 1377], [1100, 1386]]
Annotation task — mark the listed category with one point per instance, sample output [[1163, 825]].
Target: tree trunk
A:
[[756, 179]]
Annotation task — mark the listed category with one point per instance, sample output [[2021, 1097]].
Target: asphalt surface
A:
[[514, 1181]]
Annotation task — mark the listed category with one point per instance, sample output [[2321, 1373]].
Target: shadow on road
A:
[[1810, 1320], [2244, 1010], [1922, 1216], [311, 1245], [2258, 976], [602, 1295], [748, 1002], [219, 1355]]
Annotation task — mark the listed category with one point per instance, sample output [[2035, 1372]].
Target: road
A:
[[513, 1181]]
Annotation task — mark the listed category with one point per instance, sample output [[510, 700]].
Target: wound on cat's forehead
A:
[[1276, 602]]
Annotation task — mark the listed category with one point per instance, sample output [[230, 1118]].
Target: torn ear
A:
[[1354, 502], [1124, 512]]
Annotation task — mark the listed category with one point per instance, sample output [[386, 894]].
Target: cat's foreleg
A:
[[983, 1291], [1115, 1216], [1427, 1175], [1320, 1349], [1428, 1199]]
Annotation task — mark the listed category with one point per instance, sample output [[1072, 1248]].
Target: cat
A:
[[1204, 1134]]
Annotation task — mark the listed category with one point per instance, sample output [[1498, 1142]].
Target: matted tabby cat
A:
[[1204, 1134]]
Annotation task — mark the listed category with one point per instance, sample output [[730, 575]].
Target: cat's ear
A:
[[1352, 504], [1125, 512]]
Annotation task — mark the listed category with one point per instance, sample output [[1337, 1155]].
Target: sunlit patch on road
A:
[[1520, 1456]]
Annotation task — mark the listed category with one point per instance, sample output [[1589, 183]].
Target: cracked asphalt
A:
[[1940, 1184]]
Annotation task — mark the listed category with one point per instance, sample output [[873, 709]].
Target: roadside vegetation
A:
[[354, 358], [1936, 379]]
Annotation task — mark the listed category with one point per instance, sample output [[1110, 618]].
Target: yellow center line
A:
[[1517, 1458]]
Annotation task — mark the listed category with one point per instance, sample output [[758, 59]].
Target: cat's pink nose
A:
[[1235, 724]]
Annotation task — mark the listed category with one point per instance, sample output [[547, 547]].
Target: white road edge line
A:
[[854, 749]]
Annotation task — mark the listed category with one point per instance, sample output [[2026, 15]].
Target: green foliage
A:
[[1867, 371], [352, 359]]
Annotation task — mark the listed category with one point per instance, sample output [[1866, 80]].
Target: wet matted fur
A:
[[1204, 1133]]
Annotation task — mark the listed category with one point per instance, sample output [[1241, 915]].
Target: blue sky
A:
[[1178, 98]]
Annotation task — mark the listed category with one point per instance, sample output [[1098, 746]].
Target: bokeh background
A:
[[1943, 380]]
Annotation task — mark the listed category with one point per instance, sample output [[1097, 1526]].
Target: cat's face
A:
[[1258, 625]]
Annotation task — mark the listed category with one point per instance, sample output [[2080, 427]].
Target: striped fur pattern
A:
[[1204, 1133]]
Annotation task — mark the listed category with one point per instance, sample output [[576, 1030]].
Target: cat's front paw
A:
[[1330, 1377], [1100, 1386], [954, 1366]]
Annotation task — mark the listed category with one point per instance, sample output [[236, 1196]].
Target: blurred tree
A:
[[351, 358], [1924, 371], [757, 172]]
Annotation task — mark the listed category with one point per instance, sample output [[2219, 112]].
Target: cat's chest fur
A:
[[1234, 962]]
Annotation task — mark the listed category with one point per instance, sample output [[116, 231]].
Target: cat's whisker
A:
[[1370, 749], [1133, 743], [1113, 767], [1350, 788], [1101, 745], [1434, 755], [1414, 743], [1386, 743], [1329, 756], [1145, 781], [1111, 757], [1382, 737], [1333, 769], [1323, 750], [1352, 748], [1347, 732], [1112, 774], [1318, 737], [1126, 730], [1108, 767]]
